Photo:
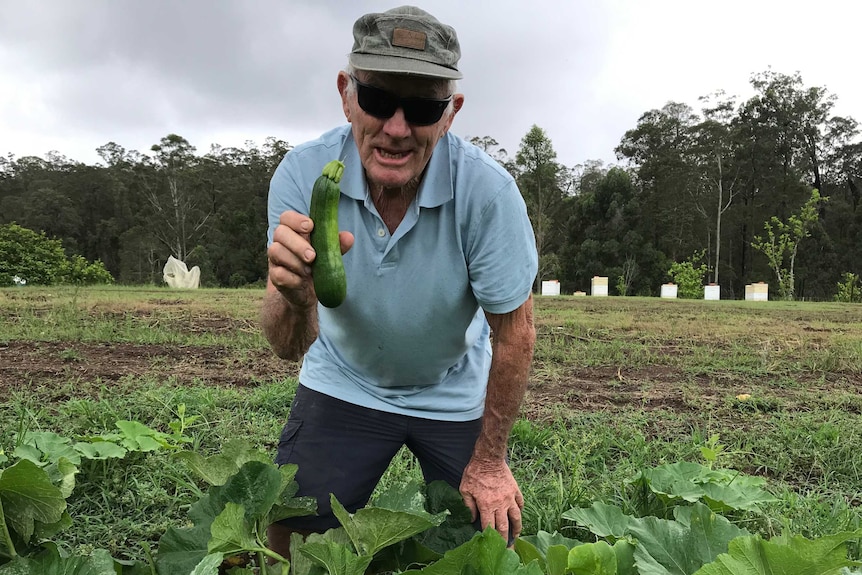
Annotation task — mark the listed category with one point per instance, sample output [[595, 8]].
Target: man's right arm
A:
[[289, 328], [289, 312]]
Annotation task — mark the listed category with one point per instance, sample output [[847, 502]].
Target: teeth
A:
[[386, 154]]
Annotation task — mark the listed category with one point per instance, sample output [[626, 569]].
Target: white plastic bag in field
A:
[[177, 275]]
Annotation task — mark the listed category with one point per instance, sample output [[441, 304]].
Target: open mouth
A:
[[391, 156]]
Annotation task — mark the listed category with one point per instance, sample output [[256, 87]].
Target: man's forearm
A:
[[507, 384], [290, 329]]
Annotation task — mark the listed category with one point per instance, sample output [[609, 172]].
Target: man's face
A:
[[393, 150]]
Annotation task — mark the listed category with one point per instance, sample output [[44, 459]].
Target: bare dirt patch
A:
[[42, 364], [81, 368]]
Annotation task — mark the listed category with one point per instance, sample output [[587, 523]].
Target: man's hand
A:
[[290, 257], [492, 494]]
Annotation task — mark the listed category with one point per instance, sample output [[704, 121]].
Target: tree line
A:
[[765, 189], [715, 188]]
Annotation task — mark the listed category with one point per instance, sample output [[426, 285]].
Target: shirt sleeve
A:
[[286, 192], [501, 252]]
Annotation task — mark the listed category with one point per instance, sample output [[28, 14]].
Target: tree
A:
[[603, 236], [718, 176], [782, 242], [182, 200], [492, 147], [541, 180], [39, 260], [660, 149]]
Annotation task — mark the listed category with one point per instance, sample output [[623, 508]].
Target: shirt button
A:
[[381, 232]]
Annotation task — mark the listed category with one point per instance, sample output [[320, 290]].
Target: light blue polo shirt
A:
[[411, 336]]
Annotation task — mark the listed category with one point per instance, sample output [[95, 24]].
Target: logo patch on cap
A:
[[409, 38]]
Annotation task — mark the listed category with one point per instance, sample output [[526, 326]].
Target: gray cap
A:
[[405, 40]]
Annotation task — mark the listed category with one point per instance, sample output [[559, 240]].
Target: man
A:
[[439, 255]]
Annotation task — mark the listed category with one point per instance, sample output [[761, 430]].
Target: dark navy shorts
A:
[[344, 449]]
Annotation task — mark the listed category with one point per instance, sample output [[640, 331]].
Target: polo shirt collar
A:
[[435, 190]]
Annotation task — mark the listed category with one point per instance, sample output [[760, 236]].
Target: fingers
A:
[[507, 521], [470, 502], [515, 521], [290, 256], [346, 240]]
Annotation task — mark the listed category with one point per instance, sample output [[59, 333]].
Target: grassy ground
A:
[[618, 385]]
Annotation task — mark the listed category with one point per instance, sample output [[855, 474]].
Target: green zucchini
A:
[[330, 282]]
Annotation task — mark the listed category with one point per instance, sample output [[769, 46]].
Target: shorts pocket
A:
[[287, 441]]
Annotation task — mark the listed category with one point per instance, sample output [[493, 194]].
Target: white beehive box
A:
[[757, 292], [551, 287], [712, 292], [599, 286], [669, 290]]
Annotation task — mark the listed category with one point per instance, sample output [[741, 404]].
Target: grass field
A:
[[772, 389]]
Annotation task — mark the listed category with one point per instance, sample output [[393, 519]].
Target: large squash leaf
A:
[[680, 547], [373, 528], [29, 497], [752, 555], [721, 489], [485, 554]]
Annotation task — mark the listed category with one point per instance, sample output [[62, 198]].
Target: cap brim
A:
[[396, 65]]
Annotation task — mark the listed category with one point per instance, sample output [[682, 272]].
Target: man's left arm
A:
[[488, 487]]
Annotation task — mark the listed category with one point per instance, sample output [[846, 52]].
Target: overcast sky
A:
[[76, 74]]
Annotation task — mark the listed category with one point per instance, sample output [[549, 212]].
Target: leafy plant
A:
[[35, 259], [31, 256], [689, 276], [782, 240], [849, 289], [34, 489]]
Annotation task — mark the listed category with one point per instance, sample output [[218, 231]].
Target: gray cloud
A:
[[74, 75]]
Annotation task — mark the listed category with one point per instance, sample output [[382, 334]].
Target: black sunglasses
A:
[[382, 104]]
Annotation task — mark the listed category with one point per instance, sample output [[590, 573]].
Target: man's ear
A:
[[457, 104], [343, 82]]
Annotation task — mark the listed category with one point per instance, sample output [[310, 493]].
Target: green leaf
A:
[[208, 565], [371, 528], [180, 550], [744, 493], [551, 550], [601, 519], [485, 554], [49, 562], [751, 555], [721, 489], [46, 446], [528, 552], [62, 473], [292, 507], [593, 559], [28, 496], [100, 450], [45, 531], [405, 496], [231, 532], [138, 437], [458, 526], [556, 560], [599, 558], [680, 547], [406, 554], [256, 486], [337, 558], [216, 469], [543, 540], [302, 564]]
